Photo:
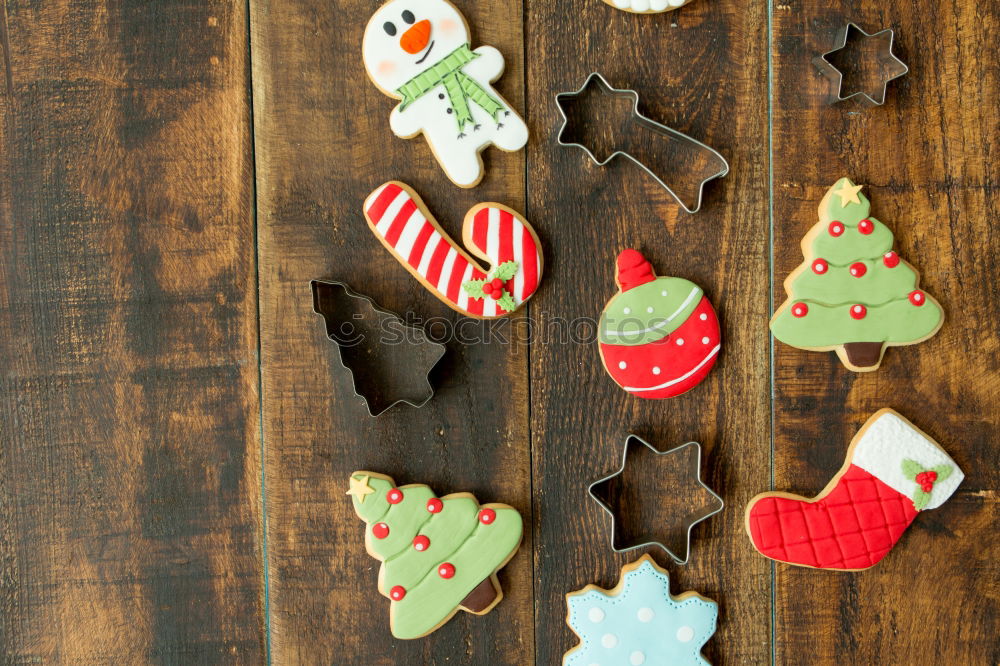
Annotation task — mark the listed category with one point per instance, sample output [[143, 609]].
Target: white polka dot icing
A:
[[703, 316], [622, 365], [680, 342], [646, 6], [705, 340], [627, 310], [641, 622], [595, 615]]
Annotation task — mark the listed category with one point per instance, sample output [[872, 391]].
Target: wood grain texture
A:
[[927, 159], [129, 449], [323, 143]]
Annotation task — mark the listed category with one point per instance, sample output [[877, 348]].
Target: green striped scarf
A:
[[460, 87]]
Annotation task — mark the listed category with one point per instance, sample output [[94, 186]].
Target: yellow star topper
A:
[[360, 487], [848, 193]]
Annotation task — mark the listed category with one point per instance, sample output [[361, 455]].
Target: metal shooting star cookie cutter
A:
[[650, 540], [894, 67], [390, 361], [649, 129]]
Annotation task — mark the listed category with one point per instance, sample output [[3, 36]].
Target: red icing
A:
[[890, 259], [397, 592], [434, 505], [917, 297], [853, 527], [497, 283], [858, 311], [865, 226], [800, 310], [394, 496], [496, 294], [446, 570], [487, 516], [633, 270], [421, 542], [820, 266], [836, 228], [380, 530], [673, 360], [858, 269]]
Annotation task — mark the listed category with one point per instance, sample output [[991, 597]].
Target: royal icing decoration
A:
[[853, 294], [417, 51], [891, 473], [438, 554], [647, 6], [639, 621], [399, 219], [659, 336]]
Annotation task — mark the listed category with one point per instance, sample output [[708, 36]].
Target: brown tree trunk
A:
[[863, 354], [481, 596]]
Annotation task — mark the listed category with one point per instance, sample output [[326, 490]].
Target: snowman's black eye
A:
[[408, 16], [389, 28]]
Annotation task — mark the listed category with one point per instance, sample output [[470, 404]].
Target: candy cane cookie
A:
[[400, 220]]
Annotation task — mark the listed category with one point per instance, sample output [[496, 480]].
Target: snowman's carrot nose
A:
[[415, 39]]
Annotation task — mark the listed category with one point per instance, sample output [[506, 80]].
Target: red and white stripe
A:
[[394, 216]]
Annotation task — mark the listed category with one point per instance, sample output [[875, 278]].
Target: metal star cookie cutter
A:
[[650, 541], [385, 371], [886, 58], [651, 129]]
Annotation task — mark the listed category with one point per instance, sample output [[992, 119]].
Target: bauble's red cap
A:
[[633, 270]]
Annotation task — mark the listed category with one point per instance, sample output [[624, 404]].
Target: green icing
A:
[[896, 322], [434, 598], [878, 285], [627, 319], [852, 244], [446, 531], [371, 507], [404, 521]]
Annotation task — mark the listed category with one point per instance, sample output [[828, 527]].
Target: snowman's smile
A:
[[426, 53]]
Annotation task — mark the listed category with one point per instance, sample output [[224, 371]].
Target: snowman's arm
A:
[[487, 67], [405, 123]]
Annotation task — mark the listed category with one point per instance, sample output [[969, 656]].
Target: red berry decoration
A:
[[858, 311], [397, 592], [820, 266], [394, 496], [487, 288], [497, 283], [496, 294], [487, 516], [858, 269], [890, 259], [800, 309], [865, 226], [380, 530], [446, 570], [836, 228], [434, 505], [421, 543], [917, 297]]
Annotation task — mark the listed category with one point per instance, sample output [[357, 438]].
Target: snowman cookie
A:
[[659, 336], [647, 6], [417, 51]]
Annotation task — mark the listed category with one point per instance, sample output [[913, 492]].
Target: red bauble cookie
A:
[[659, 336]]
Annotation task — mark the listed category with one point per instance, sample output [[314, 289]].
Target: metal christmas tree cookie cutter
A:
[[596, 82], [885, 57], [650, 541], [384, 372]]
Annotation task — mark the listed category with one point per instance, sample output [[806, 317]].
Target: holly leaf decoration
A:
[[911, 468], [943, 472], [507, 302], [474, 288], [506, 270], [920, 499]]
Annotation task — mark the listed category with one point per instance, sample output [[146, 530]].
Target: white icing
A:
[[694, 293], [637, 658], [627, 310], [647, 5], [685, 634], [609, 640], [622, 365], [595, 615], [645, 614], [649, 310], [656, 370], [888, 441], [663, 293], [705, 340], [680, 342], [703, 316], [634, 389]]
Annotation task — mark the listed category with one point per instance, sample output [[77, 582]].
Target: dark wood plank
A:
[[129, 450], [322, 144], [927, 159], [702, 70]]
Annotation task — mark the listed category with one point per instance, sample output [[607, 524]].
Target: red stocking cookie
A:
[[893, 471], [493, 232]]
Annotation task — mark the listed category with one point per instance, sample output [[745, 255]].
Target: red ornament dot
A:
[[820, 266], [434, 505], [394, 496], [446, 570], [865, 226], [380, 530], [890, 259], [836, 228], [496, 294], [397, 592], [421, 543], [858, 311], [487, 516], [800, 310], [917, 297], [858, 269]]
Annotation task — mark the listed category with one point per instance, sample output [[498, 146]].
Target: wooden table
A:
[[176, 433]]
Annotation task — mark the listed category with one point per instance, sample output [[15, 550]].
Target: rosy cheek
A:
[[386, 67], [448, 26]]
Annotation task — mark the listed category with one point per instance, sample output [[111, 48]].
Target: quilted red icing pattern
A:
[[851, 528]]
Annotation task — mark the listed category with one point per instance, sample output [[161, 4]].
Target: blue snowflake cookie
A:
[[639, 622]]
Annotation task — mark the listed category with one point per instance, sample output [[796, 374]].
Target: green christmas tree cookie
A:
[[438, 554], [852, 293]]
